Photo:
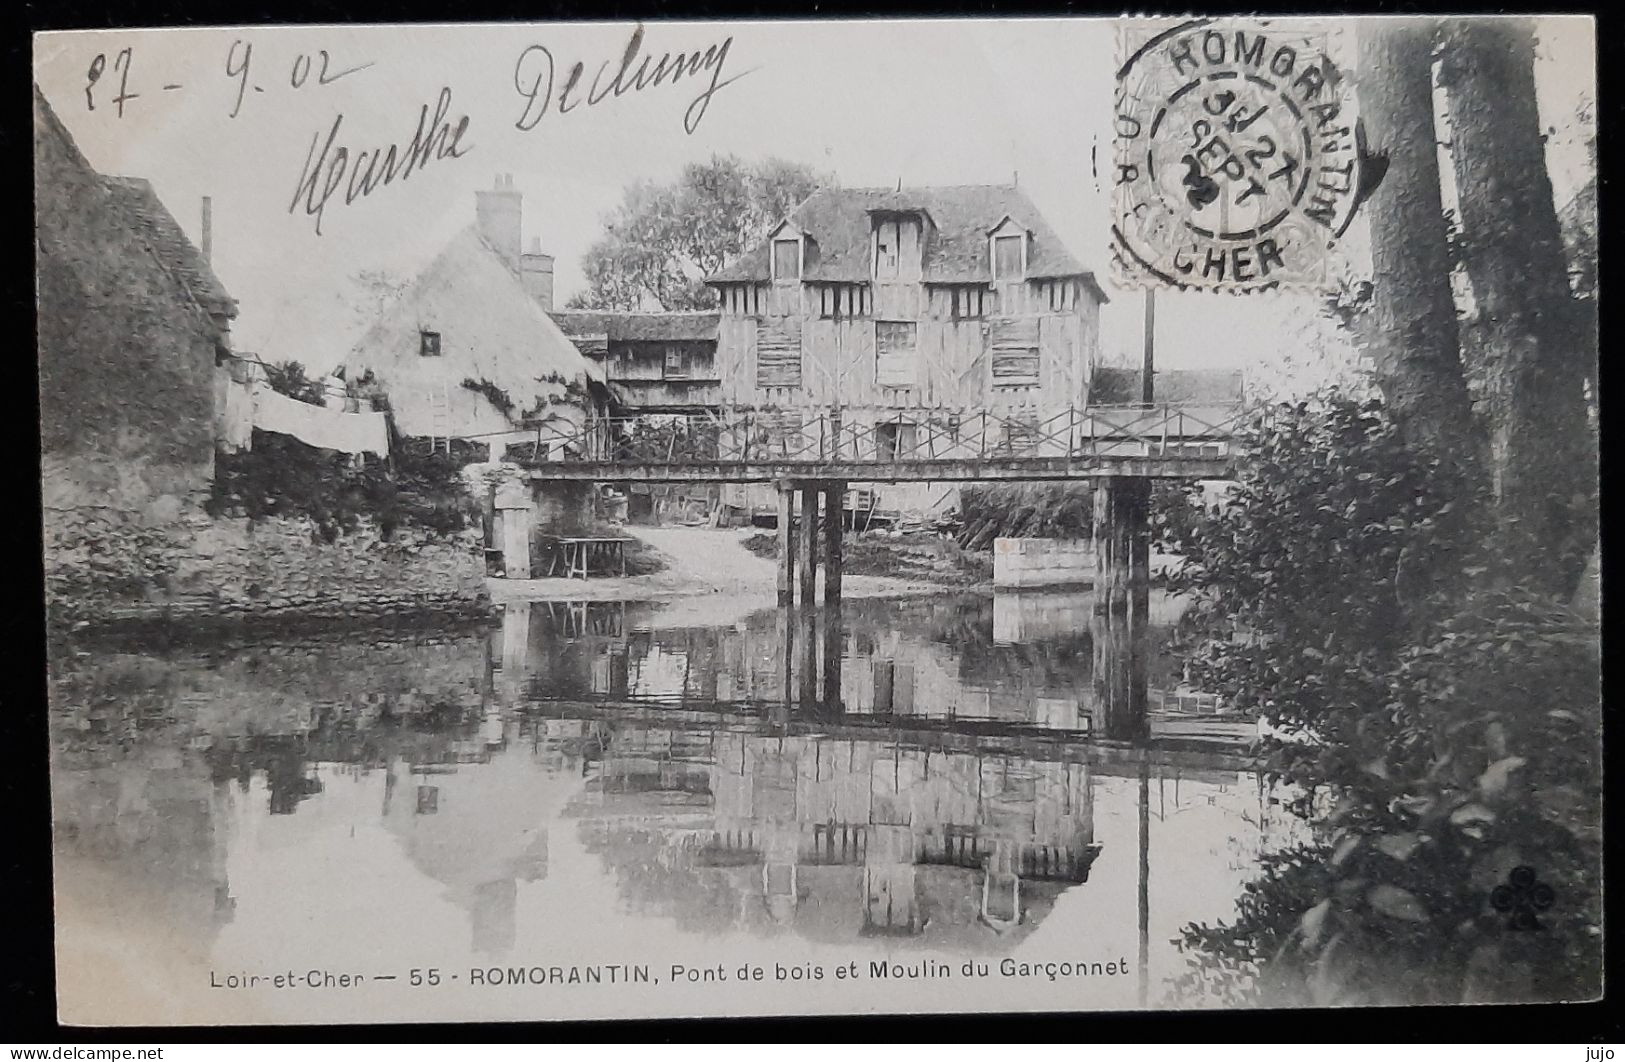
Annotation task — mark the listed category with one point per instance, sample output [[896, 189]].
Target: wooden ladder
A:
[[439, 418]]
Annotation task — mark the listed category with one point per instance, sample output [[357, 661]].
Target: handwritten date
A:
[[239, 63]]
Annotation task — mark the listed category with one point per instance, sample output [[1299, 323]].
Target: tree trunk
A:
[[1530, 353], [1416, 348]]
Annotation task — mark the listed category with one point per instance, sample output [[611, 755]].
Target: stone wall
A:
[[200, 571], [1043, 562]]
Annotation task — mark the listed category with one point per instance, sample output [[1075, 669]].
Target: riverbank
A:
[[710, 569]]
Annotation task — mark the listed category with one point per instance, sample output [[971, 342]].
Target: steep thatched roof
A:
[[837, 220], [140, 203], [490, 330]]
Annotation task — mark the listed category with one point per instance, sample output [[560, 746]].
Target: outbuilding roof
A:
[[622, 326]]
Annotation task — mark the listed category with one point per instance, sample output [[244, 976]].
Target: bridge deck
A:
[[891, 445]]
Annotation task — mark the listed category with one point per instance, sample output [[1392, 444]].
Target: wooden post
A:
[[1105, 565], [1136, 532], [809, 542], [1148, 368], [1122, 534], [1144, 904], [787, 549], [807, 688], [830, 703], [833, 496]]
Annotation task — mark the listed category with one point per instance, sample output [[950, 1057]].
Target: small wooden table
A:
[[578, 555]]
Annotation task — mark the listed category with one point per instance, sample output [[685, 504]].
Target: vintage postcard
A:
[[612, 520]]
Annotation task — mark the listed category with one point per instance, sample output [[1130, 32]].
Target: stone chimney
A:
[[498, 212], [536, 270]]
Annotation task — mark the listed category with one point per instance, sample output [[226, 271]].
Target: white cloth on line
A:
[[348, 433]]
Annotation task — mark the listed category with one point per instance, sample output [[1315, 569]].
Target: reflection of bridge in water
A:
[[936, 785], [879, 768]]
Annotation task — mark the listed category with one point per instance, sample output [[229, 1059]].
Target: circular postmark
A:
[[1237, 156]]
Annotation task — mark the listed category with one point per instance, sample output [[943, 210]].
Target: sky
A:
[[921, 102]]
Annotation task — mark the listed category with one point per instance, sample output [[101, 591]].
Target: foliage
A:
[[668, 438], [663, 239], [281, 476], [1439, 730], [493, 394], [289, 378], [1024, 510]]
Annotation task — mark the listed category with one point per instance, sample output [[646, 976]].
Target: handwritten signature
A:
[[364, 172], [534, 78]]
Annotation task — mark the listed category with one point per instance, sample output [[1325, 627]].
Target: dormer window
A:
[[786, 258], [1007, 249], [887, 237]]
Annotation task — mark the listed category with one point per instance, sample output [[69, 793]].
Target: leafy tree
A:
[[663, 239]]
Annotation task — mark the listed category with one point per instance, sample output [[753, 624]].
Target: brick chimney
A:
[[498, 212], [536, 270]]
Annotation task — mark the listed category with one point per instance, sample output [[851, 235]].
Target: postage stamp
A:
[[1236, 156]]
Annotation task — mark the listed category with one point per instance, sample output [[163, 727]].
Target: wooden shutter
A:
[[778, 352], [1014, 341]]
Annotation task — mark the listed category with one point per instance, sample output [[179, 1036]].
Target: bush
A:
[[281, 476], [1448, 730], [1024, 510]]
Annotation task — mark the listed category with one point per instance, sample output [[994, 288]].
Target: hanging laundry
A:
[[349, 433]]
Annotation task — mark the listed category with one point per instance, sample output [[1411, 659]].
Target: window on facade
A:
[[887, 238], [968, 303], [786, 259], [897, 441], [896, 364], [428, 344], [676, 366], [1007, 257]]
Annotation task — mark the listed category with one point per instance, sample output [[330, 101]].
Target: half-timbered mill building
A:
[[908, 310]]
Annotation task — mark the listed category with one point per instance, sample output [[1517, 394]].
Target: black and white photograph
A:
[[728, 519]]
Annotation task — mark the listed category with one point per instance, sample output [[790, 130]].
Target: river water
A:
[[635, 786]]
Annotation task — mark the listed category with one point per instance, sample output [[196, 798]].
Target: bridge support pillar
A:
[[787, 550], [1122, 534], [834, 495], [808, 560], [513, 507]]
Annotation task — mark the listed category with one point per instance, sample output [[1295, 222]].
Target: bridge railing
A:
[[884, 434]]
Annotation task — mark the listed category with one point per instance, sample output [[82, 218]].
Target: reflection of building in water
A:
[[838, 837], [936, 661], [160, 818], [475, 821]]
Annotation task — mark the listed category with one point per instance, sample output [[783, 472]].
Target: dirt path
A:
[[710, 568]]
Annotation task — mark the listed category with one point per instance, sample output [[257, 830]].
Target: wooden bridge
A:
[[816, 452], [889, 445]]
